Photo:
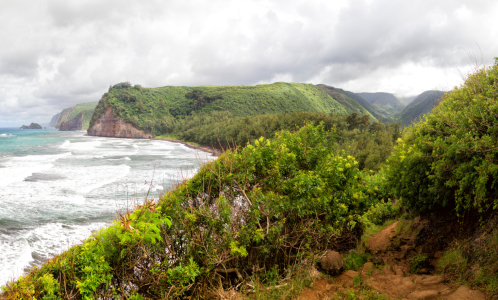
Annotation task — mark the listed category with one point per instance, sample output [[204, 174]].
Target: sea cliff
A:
[[108, 125], [74, 124]]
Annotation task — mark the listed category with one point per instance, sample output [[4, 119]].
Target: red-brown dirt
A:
[[394, 278]]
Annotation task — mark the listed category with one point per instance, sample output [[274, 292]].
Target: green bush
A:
[[250, 214], [450, 158], [417, 262], [453, 262], [354, 261]]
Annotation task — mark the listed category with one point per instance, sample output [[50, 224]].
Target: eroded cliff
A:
[[108, 125], [74, 124]]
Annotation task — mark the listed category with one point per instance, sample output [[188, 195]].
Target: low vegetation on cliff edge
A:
[[254, 210]]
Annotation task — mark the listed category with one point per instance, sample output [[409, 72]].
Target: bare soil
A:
[[389, 271]]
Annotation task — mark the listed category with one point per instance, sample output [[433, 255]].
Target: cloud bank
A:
[[59, 53]]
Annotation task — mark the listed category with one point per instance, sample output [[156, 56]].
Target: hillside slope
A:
[[70, 113], [385, 103], [421, 105], [155, 110], [351, 101], [371, 109]]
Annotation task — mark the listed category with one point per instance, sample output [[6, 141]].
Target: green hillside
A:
[[70, 113], [418, 107], [369, 107], [155, 110], [351, 103], [406, 99], [385, 103]]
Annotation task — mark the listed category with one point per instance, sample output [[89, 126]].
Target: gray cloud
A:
[[58, 53]]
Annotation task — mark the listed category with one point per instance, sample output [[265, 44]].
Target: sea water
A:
[[56, 188]]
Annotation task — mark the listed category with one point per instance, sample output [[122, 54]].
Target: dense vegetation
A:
[[420, 106], [450, 158], [252, 211], [155, 110], [370, 142]]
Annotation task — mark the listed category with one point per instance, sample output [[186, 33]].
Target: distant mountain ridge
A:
[[373, 110], [386, 103], [420, 106], [350, 100]]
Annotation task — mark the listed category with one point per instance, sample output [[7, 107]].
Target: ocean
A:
[[57, 187]]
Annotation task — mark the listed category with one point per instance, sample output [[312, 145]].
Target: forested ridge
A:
[[369, 141], [157, 110]]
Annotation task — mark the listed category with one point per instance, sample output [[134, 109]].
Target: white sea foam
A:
[[75, 192], [18, 168], [39, 244], [16, 255], [81, 146]]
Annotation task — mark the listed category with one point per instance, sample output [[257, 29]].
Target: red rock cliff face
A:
[[110, 126]]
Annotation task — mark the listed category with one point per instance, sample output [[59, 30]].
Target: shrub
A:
[[453, 262], [354, 261], [268, 205], [449, 159], [251, 213], [417, 262]]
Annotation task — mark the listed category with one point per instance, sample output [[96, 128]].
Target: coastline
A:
[[213, 151]]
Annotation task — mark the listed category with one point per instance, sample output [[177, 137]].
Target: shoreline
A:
[[213, 151]]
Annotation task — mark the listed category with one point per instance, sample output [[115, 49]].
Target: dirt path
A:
[[393, 280], [379, 241]]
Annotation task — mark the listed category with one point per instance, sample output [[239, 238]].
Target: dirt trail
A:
[[393, 278]]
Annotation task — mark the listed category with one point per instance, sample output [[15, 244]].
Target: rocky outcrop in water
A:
[[108, 125], [74, 124], [31, 126]]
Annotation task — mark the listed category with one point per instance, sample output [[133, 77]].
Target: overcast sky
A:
[[57, 53]]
